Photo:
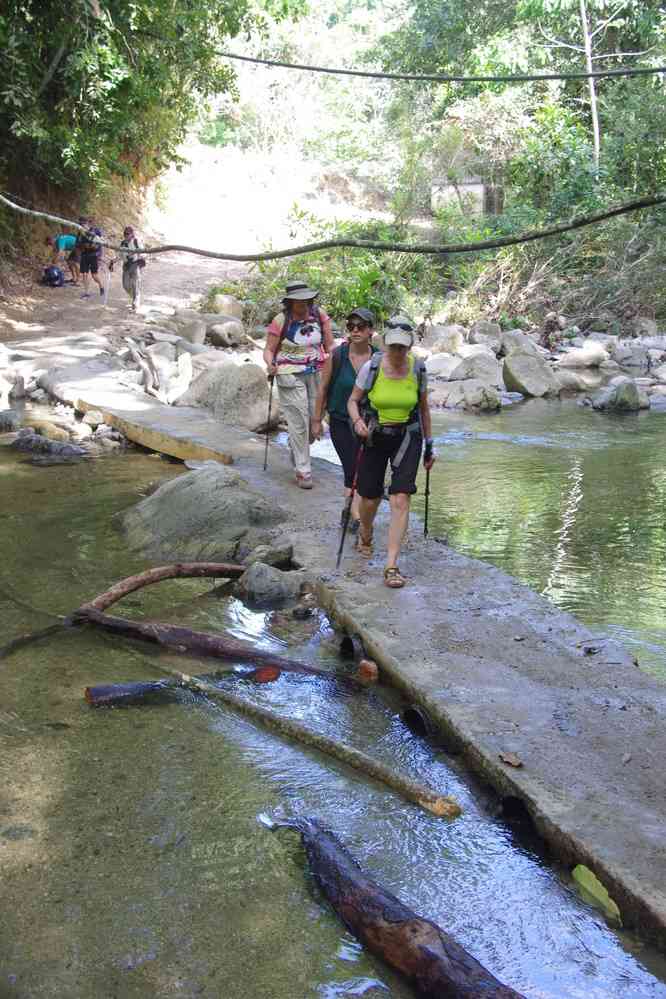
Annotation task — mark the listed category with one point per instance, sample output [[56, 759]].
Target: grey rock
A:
[[184, 346], [529, 374], [236, 394], [517, 342], [481, 367], [591, 355], [9, 420], [194, 331], [441, 365], [275, 555], [621, 396], [93, 417], [228, 305], [264, 584], [487, 333], [227, 334], [444, 339], [207, 514], [629, 355]]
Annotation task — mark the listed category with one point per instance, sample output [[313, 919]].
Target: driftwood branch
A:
[[441, 805], [414, 946], [142, 691]]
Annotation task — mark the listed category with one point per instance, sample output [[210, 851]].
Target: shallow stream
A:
[[133, 864]]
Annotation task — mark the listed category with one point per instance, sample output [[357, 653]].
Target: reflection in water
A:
[[569, 501], [158, 878]]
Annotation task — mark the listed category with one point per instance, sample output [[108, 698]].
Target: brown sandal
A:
[[364, 545], [393, 578]]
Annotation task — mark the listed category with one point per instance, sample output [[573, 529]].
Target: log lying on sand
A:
[[416, 947], [441, 805], [142, 691]]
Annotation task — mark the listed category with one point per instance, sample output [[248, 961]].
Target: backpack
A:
[[369, 415], [53, 277], [87, 242]]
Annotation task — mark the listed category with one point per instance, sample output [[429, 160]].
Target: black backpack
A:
[[53, 277]]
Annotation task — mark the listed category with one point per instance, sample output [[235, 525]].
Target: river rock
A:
[[486, 333], [236, 395], [444, 339], [591, 355], [644, 326], [569, 381], [205, 515], [621, 396], [179, 378], [517, 342], [163, 349], [264, 584], [185, 347], [441, 365], [194, 331], [48, 429], [227, 334], [482, 367], [208, 359], [93, 417], [9, 421], [660, 373], [164, 336], [38, 444], [529, 374], [478, 395], [276, 555], [629, 355], [228, 305]]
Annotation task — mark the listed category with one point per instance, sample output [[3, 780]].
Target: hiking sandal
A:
[[303, 481], [393, 578], [364, 545]]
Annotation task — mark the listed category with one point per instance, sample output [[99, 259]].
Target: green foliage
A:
[[99, 89]]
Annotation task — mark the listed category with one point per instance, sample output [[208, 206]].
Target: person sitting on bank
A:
[[90, 250], [390, 413], [133, 262], [298, 340], [63, 248], [337, 381]]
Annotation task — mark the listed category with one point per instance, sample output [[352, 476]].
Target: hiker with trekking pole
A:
[[337, 381], [298, 341], [391, 416]]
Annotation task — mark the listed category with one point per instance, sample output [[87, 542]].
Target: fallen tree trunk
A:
[[419, 949], [142, 691], [196, 643], [441, 805]]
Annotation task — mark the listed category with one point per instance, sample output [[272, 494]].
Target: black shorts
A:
[[89, 263], [346, 444], [375, 459]]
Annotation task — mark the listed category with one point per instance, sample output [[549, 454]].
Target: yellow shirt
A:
[[394, 398]]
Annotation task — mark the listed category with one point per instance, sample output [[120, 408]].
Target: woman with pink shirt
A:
[[298, 342]]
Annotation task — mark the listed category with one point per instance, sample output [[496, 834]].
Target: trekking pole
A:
[[268, 419], [348, 505], [427, 497]]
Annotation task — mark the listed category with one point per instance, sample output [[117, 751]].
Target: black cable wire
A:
[[439, 78]]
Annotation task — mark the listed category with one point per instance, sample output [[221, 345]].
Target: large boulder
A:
[[481, 367], [469, 394], [660, 373], [264, 584], [517, 342], [228, 305], [529, 374], [621, 396], [441, 365], [207, 515], [236, 394], [194, 331], [630, 355], [229, 333], [486, 333], [444, 339], [178, 379], [591, 355]]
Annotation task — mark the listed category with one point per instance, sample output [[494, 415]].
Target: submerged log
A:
[[439, 804], [416, 947], [140, 692]]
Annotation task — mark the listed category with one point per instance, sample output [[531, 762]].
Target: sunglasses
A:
[[400, 326], [351, 326]]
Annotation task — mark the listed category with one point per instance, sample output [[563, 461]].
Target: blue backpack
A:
[[53, 277]]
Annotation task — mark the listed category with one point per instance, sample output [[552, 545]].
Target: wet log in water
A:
[[439, 804], [196, 643], [419, 949], [141, 692]]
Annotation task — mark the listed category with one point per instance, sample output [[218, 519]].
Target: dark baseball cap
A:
[[365, 314]]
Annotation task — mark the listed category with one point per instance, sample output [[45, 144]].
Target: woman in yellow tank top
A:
[[393, 394]]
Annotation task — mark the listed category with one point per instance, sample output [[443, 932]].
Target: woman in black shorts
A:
[[390, 413], [337, 380]]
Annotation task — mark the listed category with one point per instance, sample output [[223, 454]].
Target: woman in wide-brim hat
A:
[[298, 342]]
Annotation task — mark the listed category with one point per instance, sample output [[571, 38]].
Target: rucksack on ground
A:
[[53, 277]]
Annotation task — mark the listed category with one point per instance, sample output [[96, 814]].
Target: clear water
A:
[[567, 500], [133, 864]]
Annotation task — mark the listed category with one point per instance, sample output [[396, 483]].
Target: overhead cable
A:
[[432, 249], [440, 78]]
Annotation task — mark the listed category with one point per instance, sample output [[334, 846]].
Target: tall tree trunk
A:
[[587, 42]]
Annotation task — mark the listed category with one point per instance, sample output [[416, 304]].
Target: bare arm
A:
[[360, 427], [327, 335], [270, 352], [320, 401], [426, 419]]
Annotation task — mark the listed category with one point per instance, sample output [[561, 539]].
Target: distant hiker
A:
[[296, 346], [133, 263], [337, 381], [390, 413], [90, 250], [63, 248]]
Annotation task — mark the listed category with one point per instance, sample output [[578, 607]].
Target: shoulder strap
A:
[[338, 358], [375, 362], [420, 372]]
